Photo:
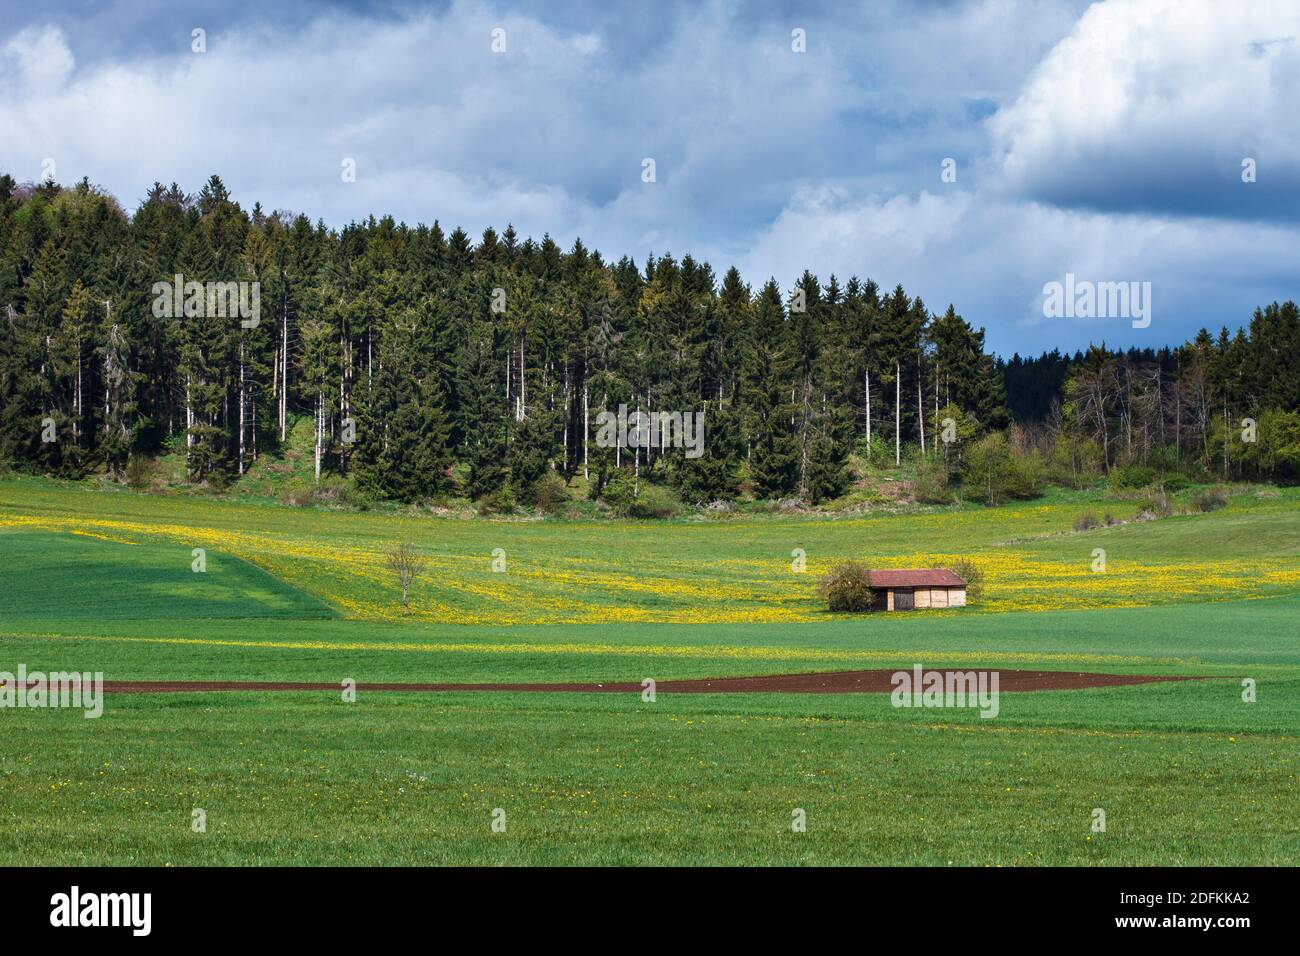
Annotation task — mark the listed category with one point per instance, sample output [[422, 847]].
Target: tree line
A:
[[431, 364], [1224, 405]]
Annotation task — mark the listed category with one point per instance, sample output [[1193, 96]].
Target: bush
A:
[[930, 486], [878, 454], [972, 574], [550, 493], [1175, 481], [654, 501], [1157, 506], [1212, 499], [1074, 462], [1086, 523], [619, 493], [297, 493], [140, 470], [1132, 476], [501, 501], [1025, 477], [994, 472], [985, 469], [353, 496], [628, 498], [847, 587]]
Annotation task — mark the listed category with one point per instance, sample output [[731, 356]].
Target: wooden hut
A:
[[915, 588]]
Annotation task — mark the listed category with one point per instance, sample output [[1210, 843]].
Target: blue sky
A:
[[1100, 139]]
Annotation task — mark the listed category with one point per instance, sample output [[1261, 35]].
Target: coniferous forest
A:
[[436, 364]]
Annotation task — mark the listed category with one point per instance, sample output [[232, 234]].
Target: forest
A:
[[433, 365]]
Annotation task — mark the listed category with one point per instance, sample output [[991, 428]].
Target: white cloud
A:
[[1118, 160], [1155, 103], [990, 257], [35, 62], [557, 127]]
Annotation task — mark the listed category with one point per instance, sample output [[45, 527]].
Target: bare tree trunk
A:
[[523, 383], [284, 369], [586, 429], [1225, 439], [76, 423], [345, 375], [241, 405], [898, 414], [320, 428], [1178, 423], [804, 429], [920, 408], [867, 380]]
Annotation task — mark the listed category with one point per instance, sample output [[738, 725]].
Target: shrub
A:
[[1132, 476], [1086, 523], [654, 501], [1212, 499], [973, 574], [550, 493], [352, 495], [1025, 477], [994, 472], [500, 501], [985, 469], [218, 480], [1073, 461], [1157, 506], [847, 587], [297, 493], [1175, 481], [140, 470], [930, 486], [878, 454], [628, 498], [619, 493]]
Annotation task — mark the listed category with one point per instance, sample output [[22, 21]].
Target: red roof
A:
[[916, 578]]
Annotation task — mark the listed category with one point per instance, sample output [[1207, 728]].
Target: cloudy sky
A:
[[1105, 139]]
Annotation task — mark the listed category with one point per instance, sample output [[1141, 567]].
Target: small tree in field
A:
[[970, 572], [847, 587], [406, 562]]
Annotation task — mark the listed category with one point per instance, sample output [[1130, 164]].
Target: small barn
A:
[[915, 588]]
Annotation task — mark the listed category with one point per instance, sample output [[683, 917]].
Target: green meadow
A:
[[94, 578]]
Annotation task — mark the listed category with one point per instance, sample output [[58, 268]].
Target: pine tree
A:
[[120, 418], [479, 383], [774, 444]]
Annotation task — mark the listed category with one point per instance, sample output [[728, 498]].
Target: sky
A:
[[973, 150]]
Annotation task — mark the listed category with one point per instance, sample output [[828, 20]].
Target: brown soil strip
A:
[[836, 682]]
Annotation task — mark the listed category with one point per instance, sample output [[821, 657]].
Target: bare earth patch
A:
[[834, 682]]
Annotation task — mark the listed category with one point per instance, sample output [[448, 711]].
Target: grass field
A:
[[95, 578]]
